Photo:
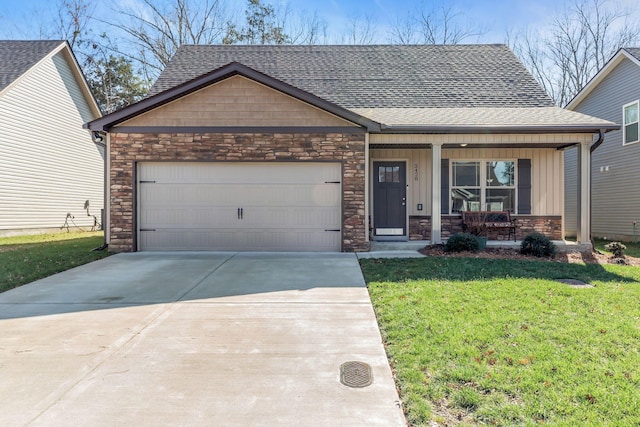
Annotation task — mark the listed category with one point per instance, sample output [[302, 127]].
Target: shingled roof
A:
[[390, 88], [18, 56], [634, 51], [374, 76]]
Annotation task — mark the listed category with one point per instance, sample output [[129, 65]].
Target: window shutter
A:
[[444, 186], [524, 186]]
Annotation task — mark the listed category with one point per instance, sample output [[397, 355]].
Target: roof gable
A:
[[236, 102], [18, 56], [233, 69], [374, 76], [631, 54]]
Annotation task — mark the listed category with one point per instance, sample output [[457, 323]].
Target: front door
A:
[[389, 199]]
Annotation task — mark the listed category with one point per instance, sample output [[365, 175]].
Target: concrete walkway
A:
[[194, 339]]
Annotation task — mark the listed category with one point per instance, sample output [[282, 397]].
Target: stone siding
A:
[[550, 226], [420, 227], [128, 148]]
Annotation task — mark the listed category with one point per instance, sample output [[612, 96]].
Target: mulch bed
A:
[[500, 253]]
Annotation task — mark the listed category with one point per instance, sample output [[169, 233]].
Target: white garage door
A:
[[239, 206]]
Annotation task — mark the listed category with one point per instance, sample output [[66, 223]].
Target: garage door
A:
[[239, 206]]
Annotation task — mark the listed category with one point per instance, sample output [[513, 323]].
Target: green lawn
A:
[[24, 259], [499, 342]]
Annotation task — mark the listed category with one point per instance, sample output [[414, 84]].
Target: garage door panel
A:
[[225, 173], [194, 195], [240, 206], [252, 217], [234, 240]]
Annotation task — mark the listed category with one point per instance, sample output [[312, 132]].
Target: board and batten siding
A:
[[615, 195], [547, 168], [49, 165]]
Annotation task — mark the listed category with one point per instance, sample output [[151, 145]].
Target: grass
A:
[[24, 259], [499, 342]]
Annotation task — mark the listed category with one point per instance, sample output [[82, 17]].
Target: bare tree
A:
[[564, 56], [440, 25], [405, 30], [73, 21], [156, 30], [359, 30], [262, 26], [304, 27]]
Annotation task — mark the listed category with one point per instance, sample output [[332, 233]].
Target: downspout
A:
[[98, 139], [597, 144]]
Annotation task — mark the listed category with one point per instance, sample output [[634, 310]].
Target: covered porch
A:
[[418, 185]]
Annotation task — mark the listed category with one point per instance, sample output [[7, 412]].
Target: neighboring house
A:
[[49, 165], [296, 148], [613, 95]]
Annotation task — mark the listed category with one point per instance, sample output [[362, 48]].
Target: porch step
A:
[[411, 245]]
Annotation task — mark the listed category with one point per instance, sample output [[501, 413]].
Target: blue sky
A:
[[496, 17]]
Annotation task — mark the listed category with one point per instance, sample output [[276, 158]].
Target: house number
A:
[[416, 174]]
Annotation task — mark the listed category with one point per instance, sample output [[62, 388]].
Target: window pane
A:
[[381, 172], [501, 199], [396, 174], [631, 114], [466, 174], [465, 199], [500, 174], [631, 133], [389, 177]]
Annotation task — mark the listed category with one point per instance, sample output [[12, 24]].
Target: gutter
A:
[[98, 139], [600, 140], [449, 129], [593, 148]]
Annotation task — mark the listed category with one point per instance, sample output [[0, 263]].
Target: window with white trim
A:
[[483, 185], [630, 123]]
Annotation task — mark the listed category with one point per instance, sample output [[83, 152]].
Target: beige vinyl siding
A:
[[237, 101], [547, 169], [615, 193], [49, 165]]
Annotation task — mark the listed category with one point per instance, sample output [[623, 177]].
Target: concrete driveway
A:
[[194, 339]]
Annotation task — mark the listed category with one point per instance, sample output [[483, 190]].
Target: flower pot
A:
[[482, 242]]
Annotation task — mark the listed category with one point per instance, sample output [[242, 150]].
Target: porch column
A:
[[436, 196], [584, 194]]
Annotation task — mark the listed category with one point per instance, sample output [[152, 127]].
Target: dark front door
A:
[[389, 199]]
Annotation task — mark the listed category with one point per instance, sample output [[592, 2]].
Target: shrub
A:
[[462, 242], [538, 245], [616, 248]]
